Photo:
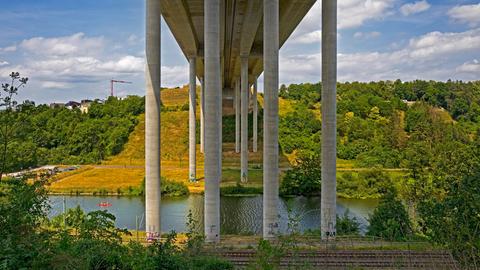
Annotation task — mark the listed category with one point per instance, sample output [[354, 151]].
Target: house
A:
[[72, 105], [85, 105]]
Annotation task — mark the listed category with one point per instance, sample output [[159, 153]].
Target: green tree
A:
[[454, 220], [390, 219], [7, 122]]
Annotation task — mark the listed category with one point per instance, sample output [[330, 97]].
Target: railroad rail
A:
[[348, 259]]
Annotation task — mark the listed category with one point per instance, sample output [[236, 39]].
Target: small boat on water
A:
[[104, 204]]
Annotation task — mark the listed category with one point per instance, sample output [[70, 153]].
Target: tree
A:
[[8, 104], [454, 221], [390, 219], [304, 178]]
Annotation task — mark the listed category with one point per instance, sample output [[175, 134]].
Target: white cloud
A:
[[354, 13], [413, 8], [435, 55], [466, 14], [470, 67], [3, 63], [438, 44], [366, 35], [351, 14], [55, 85], [126, 64], [312, 37], [74, 45], [8, 49]]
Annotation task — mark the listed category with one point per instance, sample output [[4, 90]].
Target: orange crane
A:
[[112, 82]]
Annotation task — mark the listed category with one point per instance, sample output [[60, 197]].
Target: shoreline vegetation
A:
[[381, 126]]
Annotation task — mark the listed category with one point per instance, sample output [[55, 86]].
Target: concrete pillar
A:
[[213, 113], [192, 121], [237, 116], [255, 117], [152, 119], [329, 118], [244, 121], [270, 124], [202, 116]]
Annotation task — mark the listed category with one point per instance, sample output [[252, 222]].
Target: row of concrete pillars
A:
[[211, 118]]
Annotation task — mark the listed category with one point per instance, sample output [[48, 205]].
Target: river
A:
[[239, 215]]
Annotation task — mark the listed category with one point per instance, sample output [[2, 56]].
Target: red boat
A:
[[104, 204]]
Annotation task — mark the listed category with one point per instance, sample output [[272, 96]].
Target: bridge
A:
[[228, 44]]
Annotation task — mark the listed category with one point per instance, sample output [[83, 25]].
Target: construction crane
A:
[[112, 82]]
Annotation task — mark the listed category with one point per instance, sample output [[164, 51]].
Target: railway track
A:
[[352, 259]]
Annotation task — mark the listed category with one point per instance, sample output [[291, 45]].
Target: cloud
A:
[[466, 14], [354, 13], [414, 8], [366, 35], [126, 64], [55, 85], [351, 14], [3, 63], [470, 67], [308, 38], [435, 55], [74, 45], [438, 44], [8, 49]]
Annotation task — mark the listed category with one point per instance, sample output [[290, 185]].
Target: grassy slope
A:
[[126, 170]]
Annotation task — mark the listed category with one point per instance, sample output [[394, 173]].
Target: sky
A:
[[70, 49]]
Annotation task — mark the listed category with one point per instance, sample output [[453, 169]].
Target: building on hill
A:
[[72, 105], [85, 105]]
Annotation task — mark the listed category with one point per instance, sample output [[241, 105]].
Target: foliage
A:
[[347, 225], [78, 240], [23, 208], [454, 221], [304, 178], [267, 257], [45, 135], [173, 188], [390, 219], [239, 189], [8, 105]]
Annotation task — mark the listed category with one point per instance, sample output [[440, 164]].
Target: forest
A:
[[44, 135]]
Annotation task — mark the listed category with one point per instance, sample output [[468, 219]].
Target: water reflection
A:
[[239, 215]]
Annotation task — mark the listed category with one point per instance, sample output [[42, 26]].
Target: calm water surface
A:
[[238, 214]]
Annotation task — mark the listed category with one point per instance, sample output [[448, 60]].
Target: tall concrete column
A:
[[255, 116], [213, 114], [237, 116], [192, 121], [202, 116], [270, 124], [244, 122], [152, 119], [329, 118]]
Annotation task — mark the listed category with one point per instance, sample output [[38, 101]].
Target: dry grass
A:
[[175, 96], [90, 180]]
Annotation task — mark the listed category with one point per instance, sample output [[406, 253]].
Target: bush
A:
[[173, 188], [454, 222], [347, 225], [304, 178], [390, 219]]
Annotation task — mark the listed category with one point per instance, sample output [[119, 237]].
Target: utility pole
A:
[[112, 82]]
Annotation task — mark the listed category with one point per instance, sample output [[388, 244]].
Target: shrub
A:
[[304, 178], [390, 219], [347, 225]]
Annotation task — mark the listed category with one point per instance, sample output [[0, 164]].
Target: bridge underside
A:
[[241, 32], [228, 44]]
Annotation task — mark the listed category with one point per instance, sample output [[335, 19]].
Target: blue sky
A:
[[70, 49]]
